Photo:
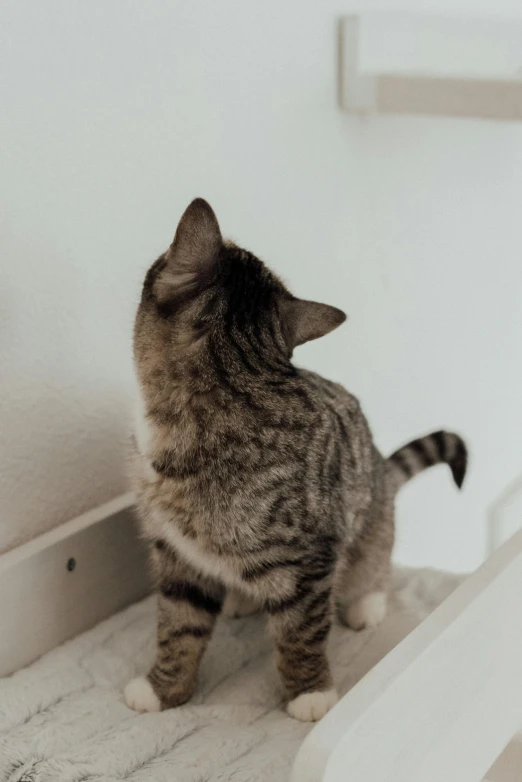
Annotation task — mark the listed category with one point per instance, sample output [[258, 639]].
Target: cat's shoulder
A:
[[328, 389]]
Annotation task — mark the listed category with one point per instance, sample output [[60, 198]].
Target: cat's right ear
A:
[[194, 249], [306, 320]]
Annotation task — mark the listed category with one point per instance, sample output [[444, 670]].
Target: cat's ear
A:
[[195, 247], [305, 320]]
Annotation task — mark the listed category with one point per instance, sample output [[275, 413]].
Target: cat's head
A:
[[207, 289]]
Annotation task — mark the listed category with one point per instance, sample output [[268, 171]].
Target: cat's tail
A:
[[436, 448]]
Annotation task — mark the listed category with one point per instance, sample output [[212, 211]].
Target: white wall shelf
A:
[[69, 579], [399, 63]]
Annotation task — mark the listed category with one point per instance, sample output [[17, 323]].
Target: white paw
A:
[[237, 605], [312, 706], [140, 696], [369, 611]]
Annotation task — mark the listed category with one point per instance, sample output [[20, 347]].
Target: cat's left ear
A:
[[194, 250], [306, 320]]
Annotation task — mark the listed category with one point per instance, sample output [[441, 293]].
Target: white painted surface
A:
[[504, 514], [445, 45], [403, 63], [444, 703], [116, 114], [44, 602]]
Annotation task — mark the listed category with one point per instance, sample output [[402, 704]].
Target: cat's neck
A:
[[207, 375]]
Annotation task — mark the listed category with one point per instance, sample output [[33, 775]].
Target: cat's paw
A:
[[237, 605], [139, 695], [367, 612], [312, 706]]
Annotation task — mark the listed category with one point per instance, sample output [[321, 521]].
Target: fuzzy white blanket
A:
[[63, 719]]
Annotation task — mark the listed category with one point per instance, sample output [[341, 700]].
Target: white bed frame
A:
[[444, 706], [44, 583]]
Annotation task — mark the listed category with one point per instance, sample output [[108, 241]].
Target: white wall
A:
[[115, 114]]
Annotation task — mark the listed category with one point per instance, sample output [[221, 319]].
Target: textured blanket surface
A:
[[63, 719]]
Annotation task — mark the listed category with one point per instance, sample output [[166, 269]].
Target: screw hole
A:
[[71, 564]]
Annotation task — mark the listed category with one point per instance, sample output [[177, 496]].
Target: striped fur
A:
[[436, 448], [253, 476], [187, 611]]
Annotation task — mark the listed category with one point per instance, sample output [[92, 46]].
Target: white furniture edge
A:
[[444, 703], [404, 63], [43, 603], [496, 512]]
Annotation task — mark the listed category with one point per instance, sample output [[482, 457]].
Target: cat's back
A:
[[346, 422], [333, 395]]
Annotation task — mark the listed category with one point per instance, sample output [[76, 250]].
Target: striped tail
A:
[[436, 448]]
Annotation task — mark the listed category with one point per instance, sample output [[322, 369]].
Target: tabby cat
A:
[[258, 484]]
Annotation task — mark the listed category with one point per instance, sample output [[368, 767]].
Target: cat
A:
[[257, 483]]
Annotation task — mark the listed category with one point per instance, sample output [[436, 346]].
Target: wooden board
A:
[[67, 580]]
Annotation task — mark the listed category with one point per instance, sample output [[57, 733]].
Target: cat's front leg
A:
[[300, 626], [188, 606]]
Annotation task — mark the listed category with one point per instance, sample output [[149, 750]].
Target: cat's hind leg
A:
[[363, 574]]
